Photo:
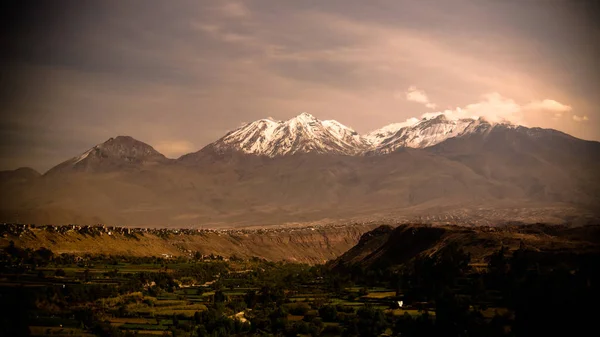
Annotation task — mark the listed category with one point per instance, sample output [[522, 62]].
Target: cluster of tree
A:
[[550, 293], [544, 292], [16, 260]]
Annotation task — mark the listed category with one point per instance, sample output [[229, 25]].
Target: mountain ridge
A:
[[302, 134], [490, 174], [305, 133]]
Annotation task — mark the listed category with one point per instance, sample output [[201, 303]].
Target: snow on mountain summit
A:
[[301, 134], [426, 132], [307, 134], [378, 136]]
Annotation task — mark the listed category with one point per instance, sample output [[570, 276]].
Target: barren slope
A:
[[309, 245]]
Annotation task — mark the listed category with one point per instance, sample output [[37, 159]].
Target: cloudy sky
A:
[[180, 74]]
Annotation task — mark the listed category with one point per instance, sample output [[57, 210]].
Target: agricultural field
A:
[[99, 295], [43, 294]]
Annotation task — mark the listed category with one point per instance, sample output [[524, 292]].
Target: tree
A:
[[371, 322], [498, 265], [299, 309], [251, 298], [363, 292], [219, 296], [328, 313], [42, 256]]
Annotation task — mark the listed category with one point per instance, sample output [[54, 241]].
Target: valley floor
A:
[[435, 284]]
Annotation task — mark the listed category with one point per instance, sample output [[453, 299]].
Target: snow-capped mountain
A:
[[425, 133], [376, 137], [468, 163], [120, 151], [266, 137], [301, 134], [307, 134]]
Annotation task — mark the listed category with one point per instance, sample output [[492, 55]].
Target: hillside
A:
[[386, 246], [412, 185], [308, 244]]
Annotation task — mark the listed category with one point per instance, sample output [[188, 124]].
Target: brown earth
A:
[[308, 245]]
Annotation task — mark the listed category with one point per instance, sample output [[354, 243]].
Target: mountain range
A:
[[304, 169], [307, 134]]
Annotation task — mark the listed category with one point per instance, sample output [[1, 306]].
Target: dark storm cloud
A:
[[178, 75], [105, 37]]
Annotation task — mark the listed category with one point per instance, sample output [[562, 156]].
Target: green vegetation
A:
[[518, 293]]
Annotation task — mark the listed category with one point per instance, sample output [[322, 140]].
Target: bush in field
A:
[[219, 297], [213, 320], [370, 321], [328, 313], [344, 309], [315, 327], [301, 327], [299, 309], [251, 299], [363, 292], [332, 330], [236, 305]]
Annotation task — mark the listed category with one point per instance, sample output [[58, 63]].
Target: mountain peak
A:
[[305, 115], [121, 139], [115, 152], [301, 134], [426, 132], [124, 140], [440, 117], [303, 118]]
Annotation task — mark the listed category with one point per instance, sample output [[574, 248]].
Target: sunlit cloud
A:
[[235, 9], [548, 104], [496, 108], [580, 118], [415, 95], [217, 32]]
